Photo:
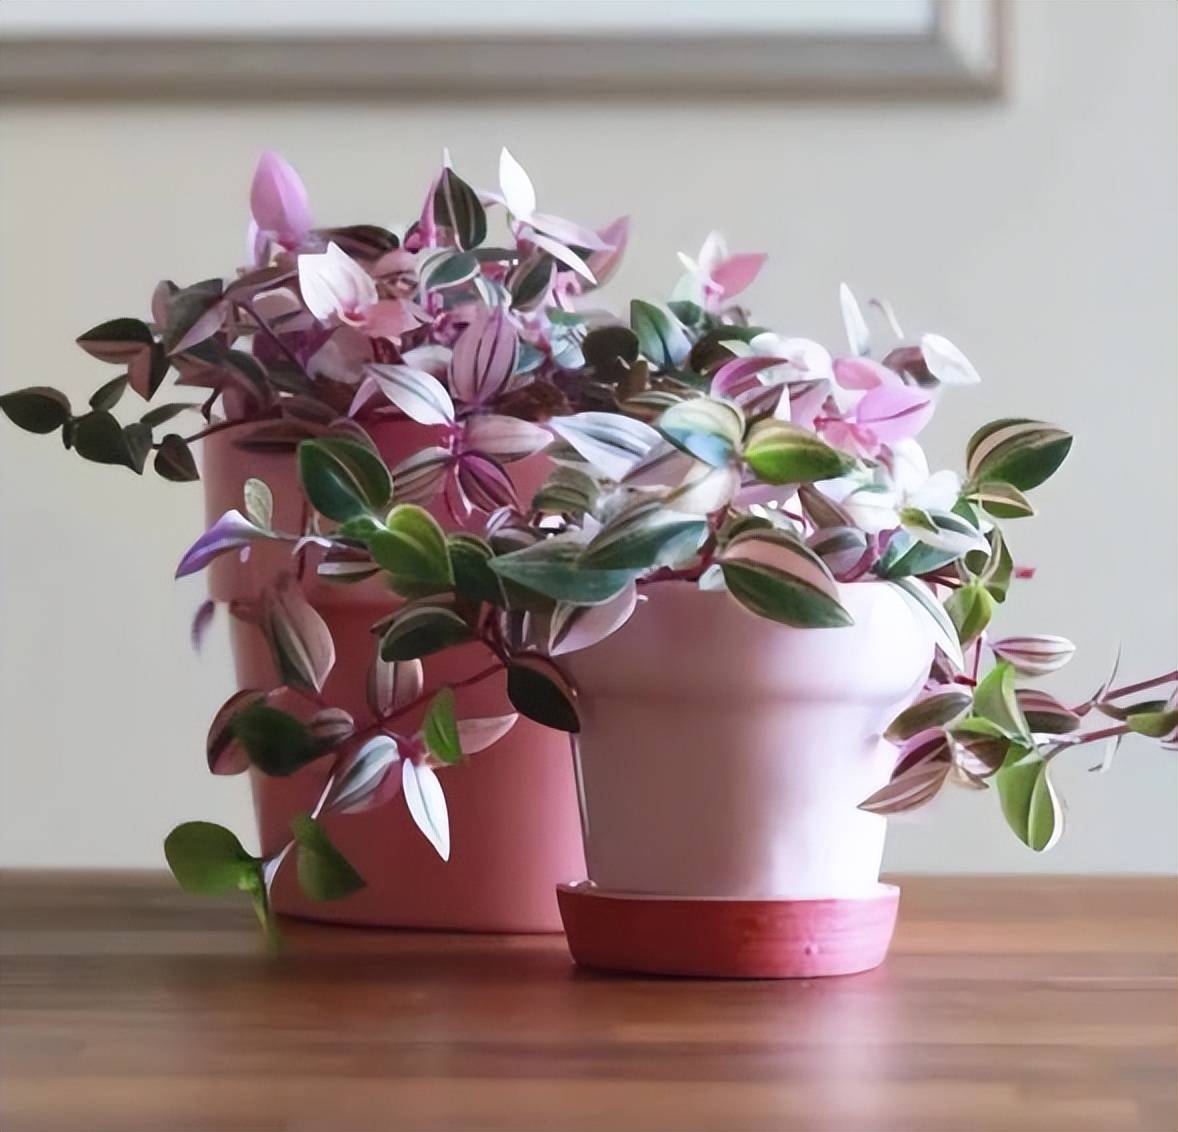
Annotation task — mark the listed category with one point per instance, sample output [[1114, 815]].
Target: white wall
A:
[[1038, 233]]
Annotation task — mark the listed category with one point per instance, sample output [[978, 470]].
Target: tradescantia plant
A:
[[686, 445]]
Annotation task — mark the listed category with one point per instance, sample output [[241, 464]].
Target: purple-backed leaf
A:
[[1034, 655], [1044, 713], [907, 791], [575, 627], [567, 232], [484, 482], [117, 341], [663, 466], [485, 356], [419, 395], [225, 754], [845, 550], [393, 684], [740, 375], [232, 531], [201, 621], [504, 438], [300, 640], [931, 744], [419, 478], [935, 708], [821, 510], [278, 200], [427, 805], [363, 780], [476, 735], [604, 263]]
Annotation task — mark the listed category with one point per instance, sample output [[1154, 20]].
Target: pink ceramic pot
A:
[[515, 832], [722, 759]]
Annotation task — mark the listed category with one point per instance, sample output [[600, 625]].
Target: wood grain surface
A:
[[1007, 1003]]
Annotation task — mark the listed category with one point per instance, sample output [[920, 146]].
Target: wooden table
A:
[[1007, 1004]]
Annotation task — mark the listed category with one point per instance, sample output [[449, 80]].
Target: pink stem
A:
[[1141, 686]]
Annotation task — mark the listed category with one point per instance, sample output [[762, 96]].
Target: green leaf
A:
[[645, 536], [450, 270], [970, 607], [567, 491], [1029, 802], [208, 859], [776, 576], [994, 699], [457, 207], [412, 549], [779, 452], [553, 568], [908, 557], [161, 414], [1155, 724], [324, 872], [186, 324], [439, 729], [539, 690], [276, 742], [530, 281], [1016, 451], [117, 341], [470, 556], [36, 409], [107, 396], [419, 630], [174, 461], [343, 478], [708, 429], [995, 570], [100, 438], [661, 338], [1002, 500]]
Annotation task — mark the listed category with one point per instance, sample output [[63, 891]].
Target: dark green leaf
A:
[[610, 351], [471, 558], [661, 338], [324, 872], [36, 409], [450, 270], [552, 568], [107, 396], [116, 341], [343, 479], [276, 742], [419, 630], [190, 317], [163, 413], [457, 207], [645, 536], [137, 438], [538, 689], [174, 461], [99, 437]]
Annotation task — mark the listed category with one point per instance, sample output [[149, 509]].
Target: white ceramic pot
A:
[[724, 756]]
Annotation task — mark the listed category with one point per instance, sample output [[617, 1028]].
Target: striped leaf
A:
[[420, 478], [937, 708], [1029, 801], [357, 784], [776, 576], [661, 338], [779, 452], [1035, 655], [610, 443], [419, 629], [419, 395], [943, 530], [575, 627], [925, 605], [300, 641], [1002, 500], [705, 428], [1016, 451], [392, 685], [553, 568], [822, 511], [485, 357], [457, 206], [643, 537], [1044, 713], [566, 492], [342, 478], [923, 767], [843, 549]]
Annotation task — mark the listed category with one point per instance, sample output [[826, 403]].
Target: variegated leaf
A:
[[611, 444], [419, 395], [1016, 451], [939, 707], [931, 612], [1034, 655], [299, 638]]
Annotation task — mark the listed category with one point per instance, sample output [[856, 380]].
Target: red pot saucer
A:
[[721, 938]]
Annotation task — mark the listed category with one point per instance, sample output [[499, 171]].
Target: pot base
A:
[[727, 939]]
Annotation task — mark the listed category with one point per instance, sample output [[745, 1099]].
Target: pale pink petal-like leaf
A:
[[505, 438], [611, 443], [567, 232], [575, 627], [393, 685], [663, 466], [332, 283], [562, 254], [475, 735], [427, 805], [615, 236], [858, 336], [1034, 655], [278, 200], [232, 531], [389, 318], [894, 412], [863, 373], [740, 375], [365, 779], [734, 274]]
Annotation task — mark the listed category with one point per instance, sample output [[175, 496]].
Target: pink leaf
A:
[[300, 640], [427, 805], [616, 236], [363, 781], [739, 375], [734, 274], [278, 200], [505, 438], [393, 685], [576, 627], [484, 482], [485, 356], [476, 735], [894, 413], [863, 373]]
